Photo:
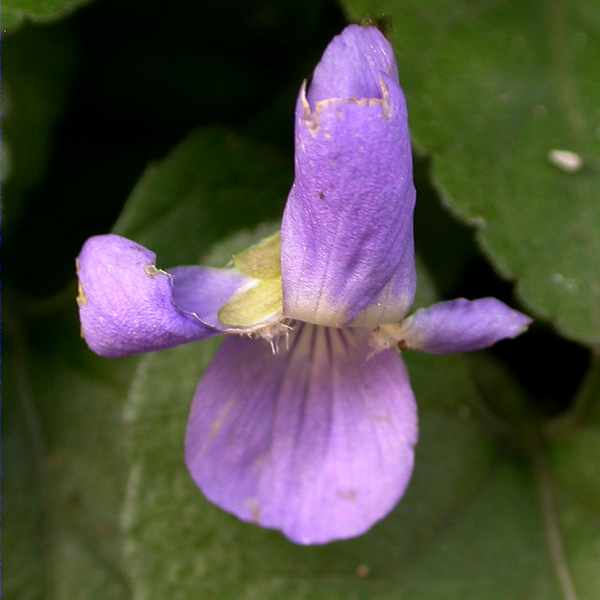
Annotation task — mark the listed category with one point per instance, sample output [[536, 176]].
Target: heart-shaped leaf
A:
[[494, 89], [482, 518]]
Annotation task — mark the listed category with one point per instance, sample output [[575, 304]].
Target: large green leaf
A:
[[483, 518], [63, 463], [492, 88], [16, 12]]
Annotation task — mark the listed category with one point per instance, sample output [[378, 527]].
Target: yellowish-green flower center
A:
[[260, 303]]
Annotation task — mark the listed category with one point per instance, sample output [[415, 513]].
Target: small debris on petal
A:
[[254, 508], [348, 494], [153, 271], [565, 160], [81, 297], [362, 571]]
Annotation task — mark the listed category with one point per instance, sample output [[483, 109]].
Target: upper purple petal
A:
[[462, 325], [347, 226], [352, 64], [127, 305], [397, 296], [316, 441]]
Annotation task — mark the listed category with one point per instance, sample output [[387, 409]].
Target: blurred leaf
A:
[[456, 534], [66, 459], [426, 291], [39, 64], [576, 446], [23, 532], [64, 465], [445, 245], [574, 469], [212, 184], [476, 521], [17, 12], [500, 391], [493, 87]]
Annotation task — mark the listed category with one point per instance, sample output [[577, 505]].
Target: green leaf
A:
[[572, 473], [23, 533], [38, 69], [426, 293], [17, 12], [179, 546], [474, 523], [65, 472], [492, 89], [211, 184]]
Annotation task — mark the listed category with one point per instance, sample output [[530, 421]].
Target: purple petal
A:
[[396, 297], [202, 291], [127, 305], [316, 441], [462, 325], [347, 226], [352, 64]]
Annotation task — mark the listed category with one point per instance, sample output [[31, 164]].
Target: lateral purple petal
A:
[[347, 226], [127, 305], [202, 291], [462, 325], [316, 441]]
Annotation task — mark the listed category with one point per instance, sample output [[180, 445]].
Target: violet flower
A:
[[312, 433]]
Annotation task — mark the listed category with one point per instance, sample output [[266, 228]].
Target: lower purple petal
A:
[[316, 441], [461, 326], [127, 305]]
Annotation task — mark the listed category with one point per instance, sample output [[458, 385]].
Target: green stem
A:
[[552, 531]]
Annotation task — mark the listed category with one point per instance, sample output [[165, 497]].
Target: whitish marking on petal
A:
[[217, 424]]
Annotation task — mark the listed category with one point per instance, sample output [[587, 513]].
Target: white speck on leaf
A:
[[565, 160], [567, 283], [478, 221]]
